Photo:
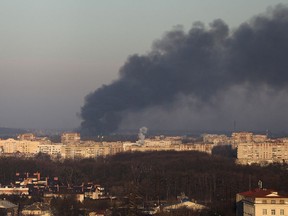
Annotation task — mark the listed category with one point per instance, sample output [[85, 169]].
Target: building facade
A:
[[262, 152], [53, 150], [67, 138], [261, 202]]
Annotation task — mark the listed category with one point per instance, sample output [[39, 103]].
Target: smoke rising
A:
[[141, 135], [203, 66]]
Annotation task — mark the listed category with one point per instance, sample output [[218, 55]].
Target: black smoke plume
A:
[[200, 63]]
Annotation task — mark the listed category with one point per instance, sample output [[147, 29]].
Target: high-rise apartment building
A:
[[257, 152]]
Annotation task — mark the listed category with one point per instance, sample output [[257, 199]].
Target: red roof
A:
[[261, 193]]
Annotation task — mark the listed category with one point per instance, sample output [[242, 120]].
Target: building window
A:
[[264, 211], [264, 201], [273, 212], [281, 211], [281, 201], [273, 201]]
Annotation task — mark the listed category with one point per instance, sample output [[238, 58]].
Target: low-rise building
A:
[[261, 202], [14, 191], [8, 208], [185, 204], [37, 209]]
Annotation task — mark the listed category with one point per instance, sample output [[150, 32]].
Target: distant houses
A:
[[27, 184]]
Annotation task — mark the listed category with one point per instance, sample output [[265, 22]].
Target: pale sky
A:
[[55, 52]]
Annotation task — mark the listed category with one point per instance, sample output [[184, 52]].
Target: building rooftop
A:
[[6, 204], [38, 206], [262, 193]]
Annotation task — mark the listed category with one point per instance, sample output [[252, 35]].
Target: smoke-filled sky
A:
[[54, 53]]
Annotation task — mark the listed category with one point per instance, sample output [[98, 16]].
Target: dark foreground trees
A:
[[153, 177]]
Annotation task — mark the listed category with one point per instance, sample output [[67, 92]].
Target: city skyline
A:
[[54, 54]]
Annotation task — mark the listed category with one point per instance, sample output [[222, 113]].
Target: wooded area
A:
[[158, 176]]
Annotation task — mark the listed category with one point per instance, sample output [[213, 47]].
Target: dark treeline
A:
[[158, 176]]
